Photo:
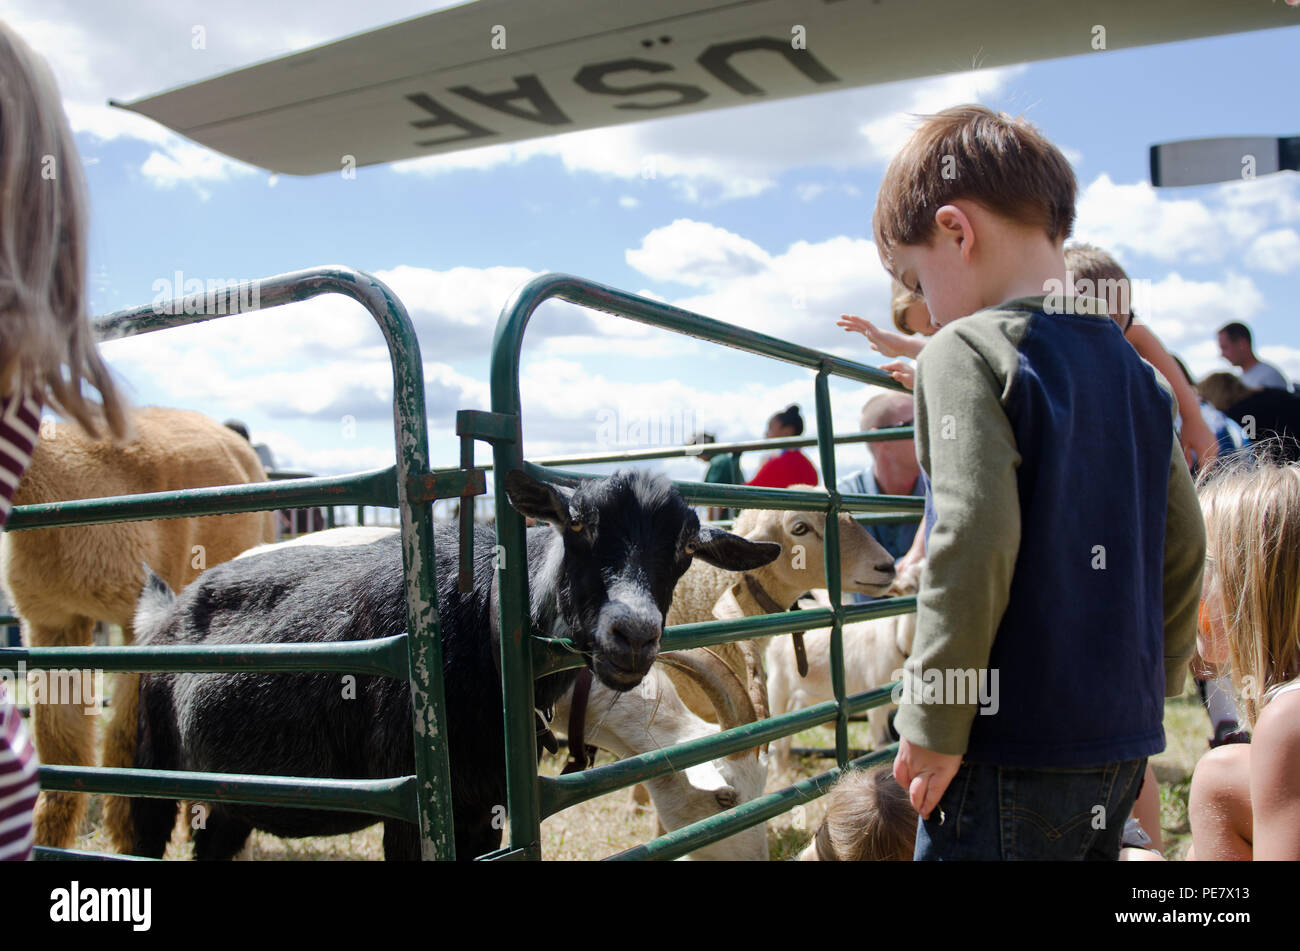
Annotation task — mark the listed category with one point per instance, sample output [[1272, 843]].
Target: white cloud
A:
[[885, 134], [1277, 251], [627, 201], [1182, 311], [697, 254], [1159, 224], [1135, 218]]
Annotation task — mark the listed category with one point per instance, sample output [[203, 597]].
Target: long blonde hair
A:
[[1252, 523], [47, 346]]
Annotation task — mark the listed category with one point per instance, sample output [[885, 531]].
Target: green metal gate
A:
[[408, 486], [531, 798]]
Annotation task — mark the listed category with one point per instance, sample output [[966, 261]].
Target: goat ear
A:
[[732, 552], [539, 500]]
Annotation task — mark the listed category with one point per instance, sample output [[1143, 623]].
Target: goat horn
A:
[[719, 683]]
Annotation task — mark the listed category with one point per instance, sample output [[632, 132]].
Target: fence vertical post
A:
[[826, 448]]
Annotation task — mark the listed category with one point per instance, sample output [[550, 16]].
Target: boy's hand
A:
[[904, 373], [925, 775], [882, 341]]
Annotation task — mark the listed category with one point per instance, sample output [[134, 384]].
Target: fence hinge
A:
[[474, 424]]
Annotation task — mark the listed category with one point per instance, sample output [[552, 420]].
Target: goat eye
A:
[[691, 548], [575, 526]]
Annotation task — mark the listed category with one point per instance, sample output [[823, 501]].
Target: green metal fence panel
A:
[[531, 797], [409, 486]]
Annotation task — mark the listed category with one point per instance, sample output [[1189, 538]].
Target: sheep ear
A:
[[732, 552], [539, 500], [728, 606]]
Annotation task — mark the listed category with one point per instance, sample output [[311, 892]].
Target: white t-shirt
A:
[[1264, 375]]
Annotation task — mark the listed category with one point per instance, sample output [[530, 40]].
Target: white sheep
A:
[[873, 652], [653, 717], [706, 593]]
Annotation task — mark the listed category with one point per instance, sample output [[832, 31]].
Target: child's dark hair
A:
[[791, 419], [868, 819]]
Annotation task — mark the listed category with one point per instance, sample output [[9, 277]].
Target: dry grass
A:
[[608, 824]]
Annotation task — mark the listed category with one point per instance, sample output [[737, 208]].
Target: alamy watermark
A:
[[215, 297], [1080, 295], [618, 429], [948, 685], [62, 686]]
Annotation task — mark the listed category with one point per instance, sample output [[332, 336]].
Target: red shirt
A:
[[789, 468]]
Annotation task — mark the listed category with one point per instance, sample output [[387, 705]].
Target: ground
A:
[[606, 825]]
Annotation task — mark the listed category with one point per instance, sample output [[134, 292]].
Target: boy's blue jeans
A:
[[1000, 813]]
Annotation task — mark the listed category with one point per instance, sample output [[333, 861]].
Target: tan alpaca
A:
[[62, 580]]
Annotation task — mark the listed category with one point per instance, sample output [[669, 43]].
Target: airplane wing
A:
[[497, 71]]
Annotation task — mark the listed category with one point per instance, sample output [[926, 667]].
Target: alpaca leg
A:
[[119, 748], [119, 751], [64, 732]]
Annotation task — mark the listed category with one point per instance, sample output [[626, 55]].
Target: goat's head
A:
[[622, 544], [865, 566]]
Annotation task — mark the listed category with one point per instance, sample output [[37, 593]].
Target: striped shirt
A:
[[19, 426]]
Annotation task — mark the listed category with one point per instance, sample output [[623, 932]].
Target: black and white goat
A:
[[603, 573]]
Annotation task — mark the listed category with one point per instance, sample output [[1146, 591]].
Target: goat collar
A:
[[580, 754], [770, 606]]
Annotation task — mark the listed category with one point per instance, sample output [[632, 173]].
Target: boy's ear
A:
[[955, 224]]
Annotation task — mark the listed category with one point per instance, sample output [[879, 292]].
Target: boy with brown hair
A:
[[1064, 538]]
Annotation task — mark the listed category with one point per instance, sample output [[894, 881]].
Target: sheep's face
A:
[[865, 566], [624, 543]]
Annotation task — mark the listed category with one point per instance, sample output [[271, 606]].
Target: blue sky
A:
[[758, 215]]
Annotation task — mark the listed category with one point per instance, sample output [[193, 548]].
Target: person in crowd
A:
[[1011, 486], [47, 346], [1237, 348], [1096, 274], [788, 467], [868, 819], [723, 469], [1265, 413], [1244, 801], [908, 311], [893, 470]]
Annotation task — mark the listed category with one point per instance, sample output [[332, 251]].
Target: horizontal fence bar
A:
[[390, 798], [381, 656], [687, 839], [561, 792], [555, 654], [721, 448], [378, 487], [754, 497]]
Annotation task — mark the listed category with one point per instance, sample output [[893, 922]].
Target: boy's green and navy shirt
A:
[[1065, 543]]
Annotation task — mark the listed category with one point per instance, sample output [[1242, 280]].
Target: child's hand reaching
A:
[[904, 373], [925, 775], [884, 342]]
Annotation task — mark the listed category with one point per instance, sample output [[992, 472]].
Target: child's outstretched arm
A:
[[965, 443], [1196, 437], [885, 342]]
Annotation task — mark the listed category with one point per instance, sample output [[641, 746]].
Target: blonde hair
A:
[[868, 819], [1223, 391], [47, 346], [1252, 525], [971, 152], [901, 299]]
